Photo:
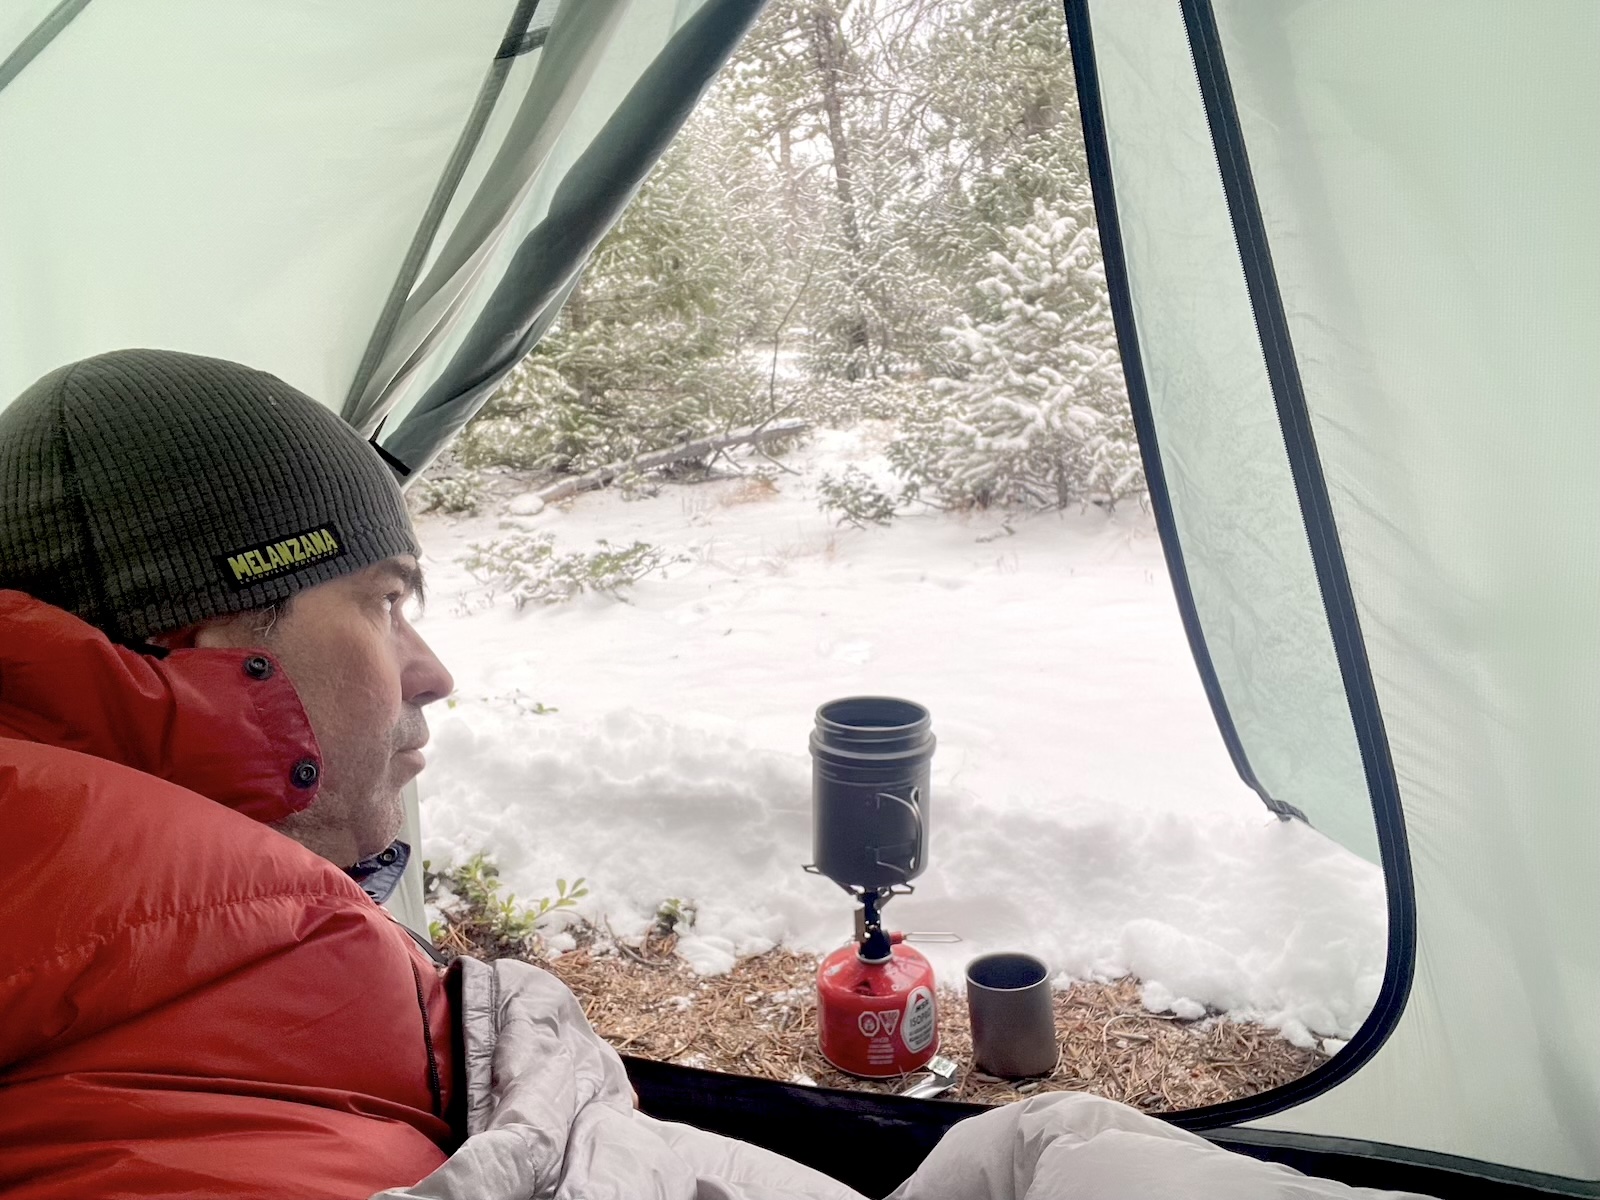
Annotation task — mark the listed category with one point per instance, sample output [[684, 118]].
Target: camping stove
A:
[[870, 764], [876, 1013]]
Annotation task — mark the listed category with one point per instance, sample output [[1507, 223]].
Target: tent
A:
[[1356, 279], [384, 205]]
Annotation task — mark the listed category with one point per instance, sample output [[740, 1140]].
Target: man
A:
[[210, 698]]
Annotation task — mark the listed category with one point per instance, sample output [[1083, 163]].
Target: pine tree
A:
[[1002, 126], [650, 348], [1037, 415], [884, 184]]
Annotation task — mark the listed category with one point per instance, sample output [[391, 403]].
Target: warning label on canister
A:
[[917, 1028]]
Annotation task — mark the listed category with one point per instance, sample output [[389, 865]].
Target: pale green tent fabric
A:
[[239, 180], [1427, 176], [341, 193], [332, 193]]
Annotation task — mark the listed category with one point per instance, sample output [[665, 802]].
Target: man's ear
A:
[[236, 630], [178, 639]]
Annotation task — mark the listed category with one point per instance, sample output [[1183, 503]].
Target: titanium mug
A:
[[1013, 1016]]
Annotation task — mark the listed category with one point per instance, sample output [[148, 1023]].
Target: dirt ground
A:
[[760, 1019]]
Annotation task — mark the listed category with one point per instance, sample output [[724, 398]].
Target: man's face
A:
[[363, 675]]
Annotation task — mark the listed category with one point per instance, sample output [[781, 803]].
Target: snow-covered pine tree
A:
[[1003, 128], [651, 348], [1037, 415]]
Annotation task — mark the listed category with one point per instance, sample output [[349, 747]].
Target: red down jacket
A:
[[191, 1004]]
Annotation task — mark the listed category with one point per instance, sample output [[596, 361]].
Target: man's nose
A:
[[425, 678]]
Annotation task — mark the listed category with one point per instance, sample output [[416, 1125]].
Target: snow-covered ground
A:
[[1083, 807]]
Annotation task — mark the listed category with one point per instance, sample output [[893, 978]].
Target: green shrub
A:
[[856, 498], [454, 494], [527, 567], [482, 917]]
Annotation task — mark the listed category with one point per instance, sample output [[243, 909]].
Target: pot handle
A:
[[915, 808]]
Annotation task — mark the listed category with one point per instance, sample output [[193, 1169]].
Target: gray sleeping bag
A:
[[550, 1116]]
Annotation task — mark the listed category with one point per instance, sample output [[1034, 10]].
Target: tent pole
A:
[[45, 33]]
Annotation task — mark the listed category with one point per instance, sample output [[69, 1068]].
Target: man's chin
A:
[[389, 818], [408, 765]]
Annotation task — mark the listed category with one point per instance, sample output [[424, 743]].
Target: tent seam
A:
[[1333, 582], [38, 39], [433, 216], [1120, 293]]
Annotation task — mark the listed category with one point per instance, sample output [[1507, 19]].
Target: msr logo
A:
[[253, 564], [921, 1021]]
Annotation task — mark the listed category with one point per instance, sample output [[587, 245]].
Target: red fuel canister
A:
[[877, 1017]]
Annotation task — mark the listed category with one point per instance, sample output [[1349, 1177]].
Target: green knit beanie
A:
[[146, 490]]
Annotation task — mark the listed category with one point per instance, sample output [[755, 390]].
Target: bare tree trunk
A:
[[827, 49], [825, 39], [791, 192]]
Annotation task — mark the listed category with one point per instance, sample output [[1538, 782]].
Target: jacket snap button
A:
[[258, 667], [387, 857], [304, 774]]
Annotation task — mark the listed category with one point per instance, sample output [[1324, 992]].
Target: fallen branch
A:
[[767, 432]]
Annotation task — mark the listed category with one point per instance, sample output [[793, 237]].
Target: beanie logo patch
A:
[[269, 560]]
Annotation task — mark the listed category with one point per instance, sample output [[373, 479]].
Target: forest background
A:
[[880, 210], [877, 224]]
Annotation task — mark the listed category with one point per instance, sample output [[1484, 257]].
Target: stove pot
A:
[[869, 790]]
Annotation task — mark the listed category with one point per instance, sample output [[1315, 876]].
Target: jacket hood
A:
[[224, 723]]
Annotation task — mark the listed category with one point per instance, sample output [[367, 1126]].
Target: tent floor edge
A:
[[1379, 1165], [873, 1142]]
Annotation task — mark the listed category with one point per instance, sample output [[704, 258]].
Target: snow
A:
[[1082, 808], [529, 504], [558, 943]]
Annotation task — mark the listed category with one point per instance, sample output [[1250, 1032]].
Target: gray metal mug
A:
[[1013, 1016]]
